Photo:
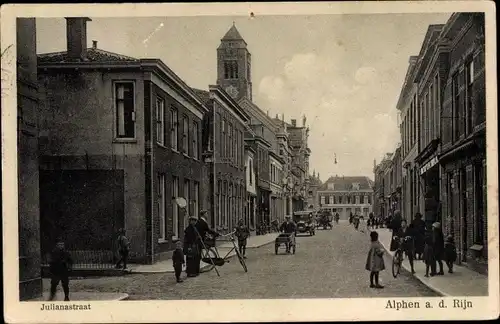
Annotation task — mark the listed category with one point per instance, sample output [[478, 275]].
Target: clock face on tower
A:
[[232, 91]]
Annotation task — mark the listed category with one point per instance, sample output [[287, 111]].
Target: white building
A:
[[250, 178], [346, 195], [276, 206]]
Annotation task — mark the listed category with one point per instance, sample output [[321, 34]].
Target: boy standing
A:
[[450, 253], [242, 233], [178, 260], [60, 267], [123, 249]]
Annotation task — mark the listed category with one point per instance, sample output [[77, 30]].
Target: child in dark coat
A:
[[375, 260], [428, 253], [450, 253], [178, 260], [60, 267]]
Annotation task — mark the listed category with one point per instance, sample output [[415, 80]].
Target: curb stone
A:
[[407, 268]]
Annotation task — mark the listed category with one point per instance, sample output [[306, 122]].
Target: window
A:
[[195, 140], [437, 107], [161, 207], [250, 168], [174, 130], [322, 202], [362, 199], [431, 112], [196, 199], [219, 203], [327, 200], [369, 200], [230, 136], [455, 104], [480, 202], [231, 69], [185, 136], [357, 200], [160, 121], [223, 139], [414, 119], [125, 112], [175, 208], [189, 205], [469, 75]]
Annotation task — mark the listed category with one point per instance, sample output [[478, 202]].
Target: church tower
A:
[[234, 65]]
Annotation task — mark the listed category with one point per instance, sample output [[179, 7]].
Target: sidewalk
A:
[[223, 248], [462, 282]]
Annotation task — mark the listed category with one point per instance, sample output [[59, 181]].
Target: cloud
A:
[[348, 106]]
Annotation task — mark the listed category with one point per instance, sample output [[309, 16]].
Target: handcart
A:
[[287, 240]]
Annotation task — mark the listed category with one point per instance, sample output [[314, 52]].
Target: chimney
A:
[[294, 122], [282, 117], [76, 37], [94, 44]]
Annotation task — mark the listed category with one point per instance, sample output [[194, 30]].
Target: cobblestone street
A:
[[328, 265]]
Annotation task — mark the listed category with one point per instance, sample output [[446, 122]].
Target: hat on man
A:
[[436, 225], [287, 216], [193, 218]]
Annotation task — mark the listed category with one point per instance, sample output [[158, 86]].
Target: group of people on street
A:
[[422, 243]]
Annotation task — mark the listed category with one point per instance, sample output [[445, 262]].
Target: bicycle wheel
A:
[[210, 253], [396, 263], [242, 261]]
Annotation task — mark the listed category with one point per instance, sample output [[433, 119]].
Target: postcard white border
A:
[[367, 309]]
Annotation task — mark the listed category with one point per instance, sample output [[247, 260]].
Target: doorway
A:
[[463, 213]]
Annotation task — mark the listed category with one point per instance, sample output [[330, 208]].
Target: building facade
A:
[[312, 193], [251, 204], [276, 209], [346, 196], [30, 278], [300, 151], [443, 138], [381, 197], [408, 108], [224, 130], [463, 152], [135, 148], [396, 181]]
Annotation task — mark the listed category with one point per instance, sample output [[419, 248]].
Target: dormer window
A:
[[331, 186]]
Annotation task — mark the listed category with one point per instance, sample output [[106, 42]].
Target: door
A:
[[463, 213]]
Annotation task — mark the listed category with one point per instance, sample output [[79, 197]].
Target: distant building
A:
[[30, 278], [346, 195], [314, 184], [120, 139]]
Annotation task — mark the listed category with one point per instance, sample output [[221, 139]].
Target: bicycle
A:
[[213, 258], [397, 259]]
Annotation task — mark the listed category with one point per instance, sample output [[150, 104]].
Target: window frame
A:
[[195, 143], [161, 204], [160, 135], [175, 208], [117, 135], [185, 135], [174, 128]]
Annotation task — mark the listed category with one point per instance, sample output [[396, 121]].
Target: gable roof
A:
[[93, 55], [345, 183]]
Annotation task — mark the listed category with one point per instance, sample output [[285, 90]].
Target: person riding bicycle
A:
[[288, 227], [405, 238]]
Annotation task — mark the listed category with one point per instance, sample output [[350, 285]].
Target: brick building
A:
[[312, 193], [120, 139], [429, 75], [463, 154], [408, 108], [30, 279], [346, 195], [224, 130], [381, 188], [396, 182], [443, 134]]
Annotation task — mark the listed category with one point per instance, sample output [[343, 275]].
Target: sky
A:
[[343, 72]]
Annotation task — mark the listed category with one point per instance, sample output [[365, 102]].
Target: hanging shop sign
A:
[[429, 165]]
